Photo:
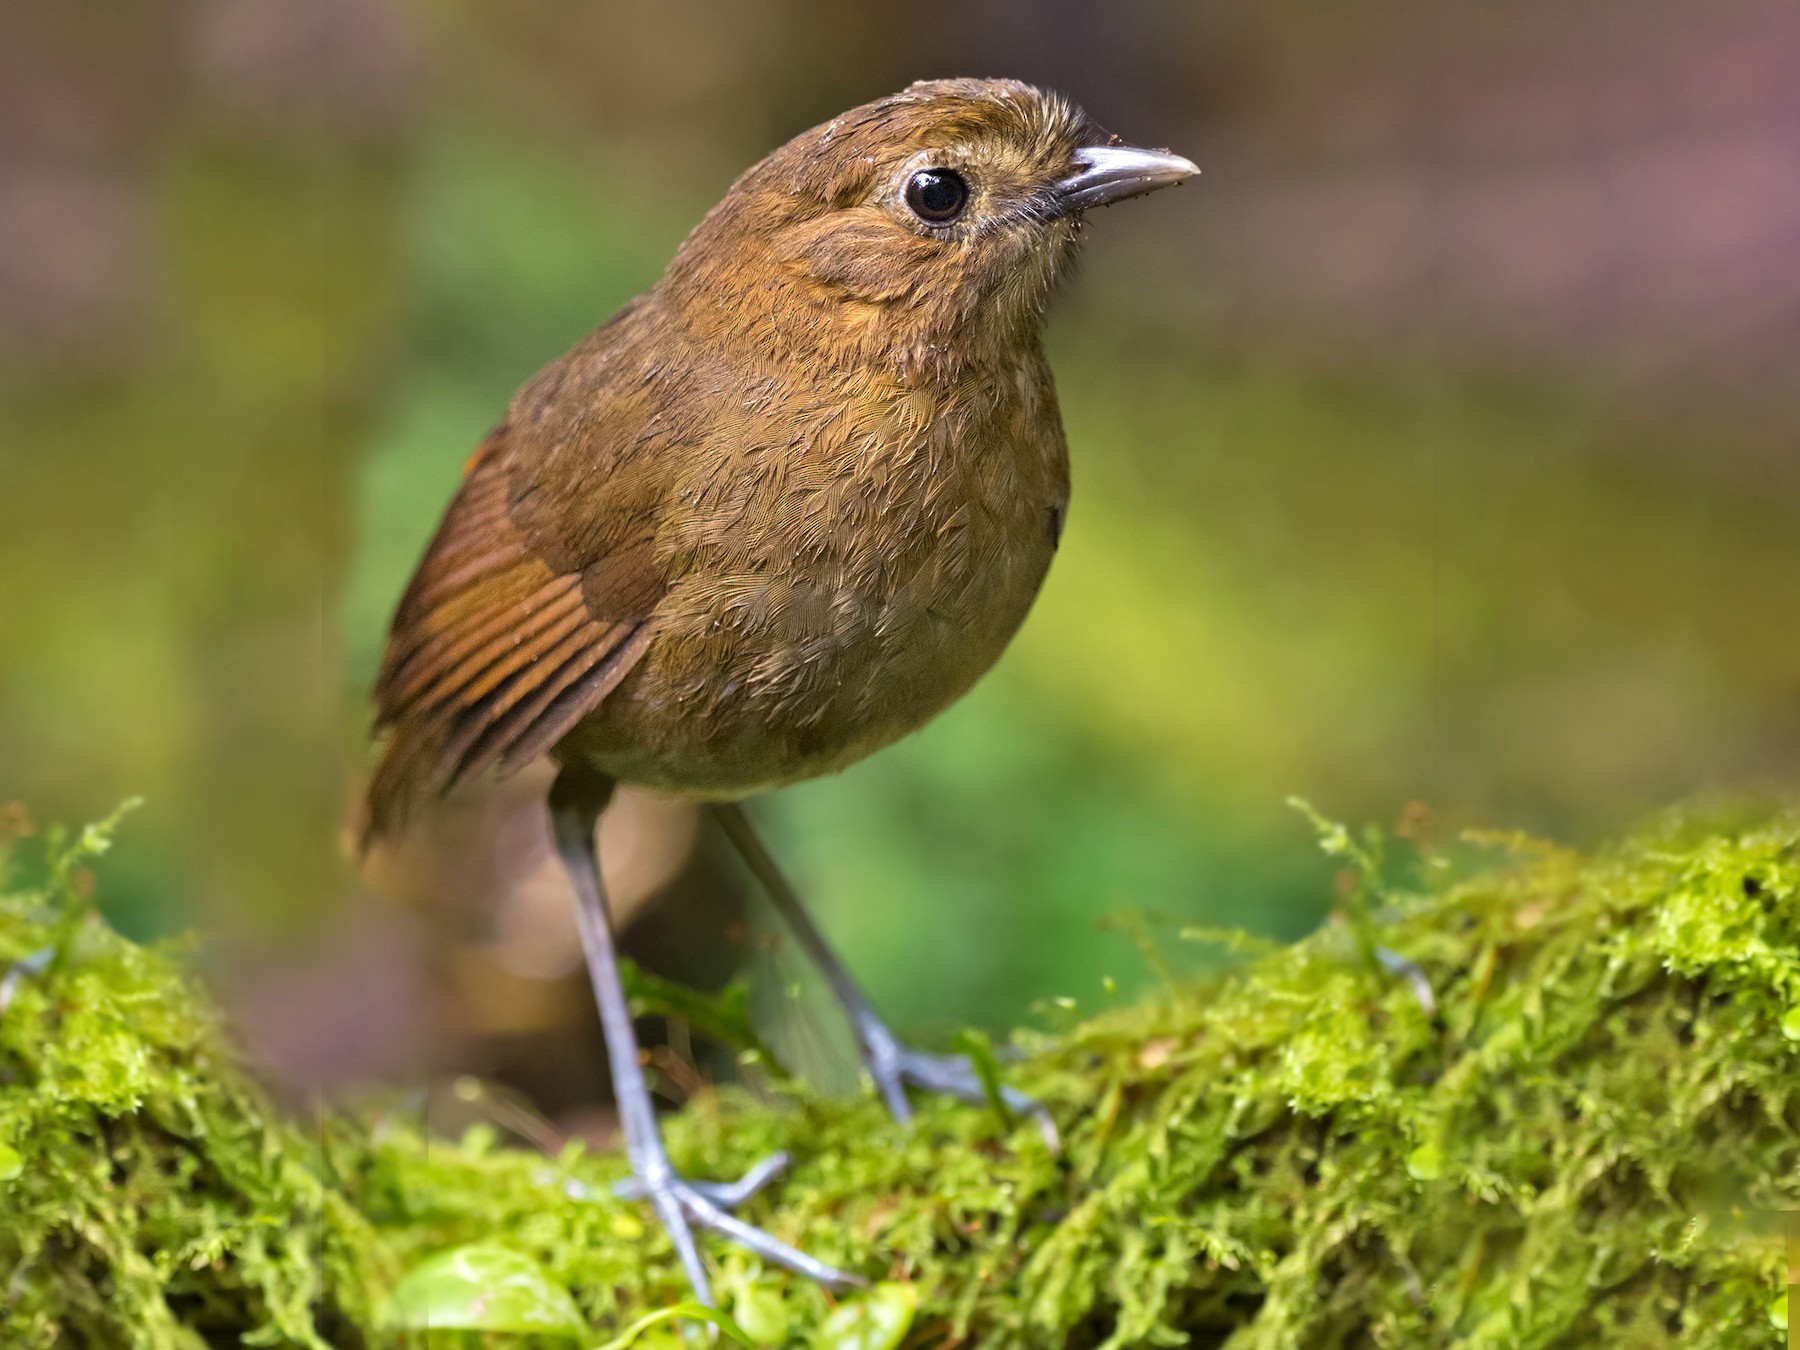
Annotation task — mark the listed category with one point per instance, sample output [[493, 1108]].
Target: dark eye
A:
[[937, 196]]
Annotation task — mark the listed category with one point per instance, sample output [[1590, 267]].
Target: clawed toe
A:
[[701, 1210], [724, 1194], [895, 1068], [955, 1076], [683, 1205]]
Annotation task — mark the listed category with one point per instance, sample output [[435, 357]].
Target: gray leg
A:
[[891, 1064], [576, 800]]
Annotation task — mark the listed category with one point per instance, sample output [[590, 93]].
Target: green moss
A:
[[1565, 1154]]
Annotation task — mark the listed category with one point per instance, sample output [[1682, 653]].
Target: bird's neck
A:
[[807, 335]]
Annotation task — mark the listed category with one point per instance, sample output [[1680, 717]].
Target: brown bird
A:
[[773, 515]]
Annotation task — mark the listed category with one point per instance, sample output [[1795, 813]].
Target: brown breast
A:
[[841, 571], [713, 580]]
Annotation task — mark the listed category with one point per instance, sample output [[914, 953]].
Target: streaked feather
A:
[[494, 653]]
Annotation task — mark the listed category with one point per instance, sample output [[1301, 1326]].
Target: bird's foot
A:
[[724, 1194], [895, 1067], [684, 1205]]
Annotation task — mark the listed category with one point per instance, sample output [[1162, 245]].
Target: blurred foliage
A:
[[1377, 575], [184, 519], [1565, 1152]]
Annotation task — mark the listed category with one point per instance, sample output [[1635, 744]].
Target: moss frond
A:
[[1571, 1151]]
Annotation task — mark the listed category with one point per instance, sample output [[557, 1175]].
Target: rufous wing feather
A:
[[494, 653]]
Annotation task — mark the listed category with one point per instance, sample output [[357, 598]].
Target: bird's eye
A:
[[937, 196]]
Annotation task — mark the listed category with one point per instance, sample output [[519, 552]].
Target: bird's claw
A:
[[894, 1068], [684, 1205], [725, 1194]]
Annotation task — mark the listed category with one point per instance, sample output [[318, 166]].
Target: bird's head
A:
[[911, 228]]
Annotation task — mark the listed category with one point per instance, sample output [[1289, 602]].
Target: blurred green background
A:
[[1437, 446]]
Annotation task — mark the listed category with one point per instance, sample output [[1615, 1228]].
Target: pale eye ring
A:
[[937, 196]]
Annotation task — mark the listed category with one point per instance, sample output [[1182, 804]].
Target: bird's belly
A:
[[759, 678]]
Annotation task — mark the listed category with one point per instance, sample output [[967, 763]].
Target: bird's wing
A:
[[504, 641]]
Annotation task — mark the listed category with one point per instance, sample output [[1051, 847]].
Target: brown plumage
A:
[[779, 510], [775, 514]]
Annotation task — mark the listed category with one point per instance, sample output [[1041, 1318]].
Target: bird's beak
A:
[[1103, 174]]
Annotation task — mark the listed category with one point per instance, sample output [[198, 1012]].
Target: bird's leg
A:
[[891, 1064], [576, 800]]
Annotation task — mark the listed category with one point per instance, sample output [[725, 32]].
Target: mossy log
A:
[[1584, 1144]]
